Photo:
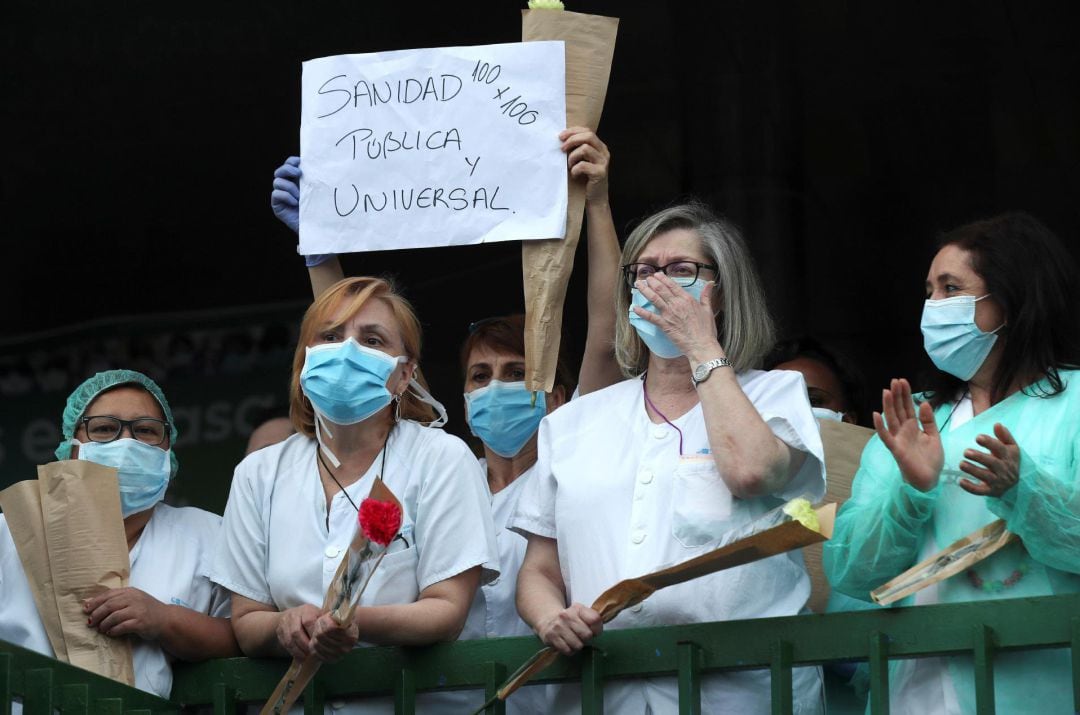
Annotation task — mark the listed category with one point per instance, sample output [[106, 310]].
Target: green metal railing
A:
[[688, 652]]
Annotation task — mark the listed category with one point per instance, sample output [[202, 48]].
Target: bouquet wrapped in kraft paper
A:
[[794, 525], [546, 264], [69, 534], [378, 523]]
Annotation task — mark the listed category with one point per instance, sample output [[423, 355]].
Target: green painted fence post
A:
[[780, 672], [37, 691], [984, 670], [494, 676], [314, 697], [1076, 662], [75, 699], [224, 699], [592, 682], [405, 693], [5, 683], [689, 678], [879, 673]]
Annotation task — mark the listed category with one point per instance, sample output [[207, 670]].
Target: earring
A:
[[397, 408]]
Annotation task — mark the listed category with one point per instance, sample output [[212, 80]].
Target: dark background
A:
[[841, 136]]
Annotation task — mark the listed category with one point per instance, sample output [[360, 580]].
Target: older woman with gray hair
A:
[[649, 471]]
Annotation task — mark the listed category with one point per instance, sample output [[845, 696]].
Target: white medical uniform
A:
[[170, 561], [613, 490], [494, 610], [280, 547]]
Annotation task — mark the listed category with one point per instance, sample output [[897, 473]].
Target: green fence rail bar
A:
[[45, 685], [686, 652]]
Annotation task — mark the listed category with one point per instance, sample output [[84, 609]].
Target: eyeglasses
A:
[[682, 272], [105, 428]]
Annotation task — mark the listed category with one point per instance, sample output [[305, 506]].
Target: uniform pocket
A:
[[394, 581], [701, 502]]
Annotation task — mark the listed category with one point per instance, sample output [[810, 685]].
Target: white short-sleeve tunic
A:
[[612, 488], [280, 546], [494, 611]]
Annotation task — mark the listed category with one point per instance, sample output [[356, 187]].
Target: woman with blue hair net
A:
[[996, 437], [171, 610]]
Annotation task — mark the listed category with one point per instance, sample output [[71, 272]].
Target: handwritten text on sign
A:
[[437, 147]]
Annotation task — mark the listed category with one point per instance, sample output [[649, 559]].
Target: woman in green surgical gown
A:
[[997, 437]]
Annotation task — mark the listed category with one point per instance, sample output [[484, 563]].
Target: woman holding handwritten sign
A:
[[499, 409]]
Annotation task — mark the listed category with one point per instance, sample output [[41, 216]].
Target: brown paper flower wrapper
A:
[[757, 545], [843, 445], [546, 264], [338, 604], [69, 534], [958, 556]]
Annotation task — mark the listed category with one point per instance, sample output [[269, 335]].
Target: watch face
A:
[[701, 371]]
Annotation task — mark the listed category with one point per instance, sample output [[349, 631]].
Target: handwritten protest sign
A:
[[436, 147]]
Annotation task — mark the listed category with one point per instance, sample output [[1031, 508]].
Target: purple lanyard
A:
[[662, 415]]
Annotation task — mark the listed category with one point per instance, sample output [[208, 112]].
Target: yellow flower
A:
[[546, 5], [801, 511]]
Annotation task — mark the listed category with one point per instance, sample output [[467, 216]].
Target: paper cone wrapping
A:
[[958, 556], [546, 264], [85, 553], [629, 592], [843, 444], [88, 554], [21, 503], [336, 603]]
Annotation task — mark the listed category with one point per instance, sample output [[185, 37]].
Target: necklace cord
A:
[[649, 402], [382, 470]]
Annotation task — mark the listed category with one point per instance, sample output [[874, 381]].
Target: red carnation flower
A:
[[380, 520]]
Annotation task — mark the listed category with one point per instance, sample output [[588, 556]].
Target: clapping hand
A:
[[912, 436], [1000, 470]]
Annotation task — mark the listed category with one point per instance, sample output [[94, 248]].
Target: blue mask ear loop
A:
[[662, 415]]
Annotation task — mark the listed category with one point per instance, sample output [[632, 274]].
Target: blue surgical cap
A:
[[84, 394]]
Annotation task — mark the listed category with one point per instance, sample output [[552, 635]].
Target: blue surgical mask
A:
[[658, 342], [503, 416], [824, 413], [142, 469], [952, 339], [346, 382]]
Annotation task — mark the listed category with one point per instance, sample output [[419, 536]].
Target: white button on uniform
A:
[[332, 551], [638, 537], [660, 432], [636, 609], [645, 476]]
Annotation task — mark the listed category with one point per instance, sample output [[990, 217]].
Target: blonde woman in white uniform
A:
[[646, 472], [358, 406]]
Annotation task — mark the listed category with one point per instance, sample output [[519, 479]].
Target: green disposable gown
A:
[[888, 526]]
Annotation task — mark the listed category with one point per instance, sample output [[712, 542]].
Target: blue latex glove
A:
[[285, 201], [285, 198]]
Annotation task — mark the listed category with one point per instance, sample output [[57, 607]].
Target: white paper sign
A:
[[437, 147]]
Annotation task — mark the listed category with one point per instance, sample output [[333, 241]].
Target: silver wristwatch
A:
[[701, 372]]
